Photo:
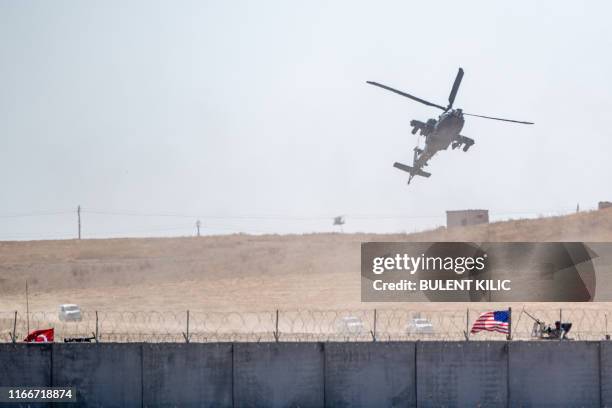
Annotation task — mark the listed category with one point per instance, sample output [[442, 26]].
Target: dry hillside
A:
[[235, 272]]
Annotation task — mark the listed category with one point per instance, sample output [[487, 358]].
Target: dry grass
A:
[[237, 272]]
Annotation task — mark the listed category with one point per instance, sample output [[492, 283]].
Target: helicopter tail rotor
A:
[[455, 88]]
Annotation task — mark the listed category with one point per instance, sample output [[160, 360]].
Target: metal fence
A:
[[296, 325]]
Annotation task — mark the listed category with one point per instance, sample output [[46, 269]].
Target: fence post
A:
[[276, 333], [187, 332], [27, 309], [560, 322], [373, 332], [97, 332], [14, 335], [509, 336]]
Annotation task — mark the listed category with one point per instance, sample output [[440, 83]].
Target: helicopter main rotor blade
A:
[[505, 120], [453, 93], [414, 98]]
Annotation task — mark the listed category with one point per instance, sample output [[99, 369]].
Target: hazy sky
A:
[[254, 115]]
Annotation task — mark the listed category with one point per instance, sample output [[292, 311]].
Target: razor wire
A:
[[295, 325]]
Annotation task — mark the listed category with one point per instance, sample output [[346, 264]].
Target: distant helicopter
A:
[[339, 220], [441, 133]]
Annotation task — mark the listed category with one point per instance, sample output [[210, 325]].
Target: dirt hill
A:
[[234, 272]]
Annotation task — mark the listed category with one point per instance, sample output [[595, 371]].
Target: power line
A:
[[36, 214], [210, 216], [282, 217]]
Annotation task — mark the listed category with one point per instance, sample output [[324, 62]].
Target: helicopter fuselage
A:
[[439, 134], [446, 130]]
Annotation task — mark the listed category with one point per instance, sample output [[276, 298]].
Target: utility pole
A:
[[198, 225], [79, 219]]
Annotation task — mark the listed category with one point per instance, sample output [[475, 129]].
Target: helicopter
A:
[[441, 133]]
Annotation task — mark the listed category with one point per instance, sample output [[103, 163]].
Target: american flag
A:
[[492, 321]]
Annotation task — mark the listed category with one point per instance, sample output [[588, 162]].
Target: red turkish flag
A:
[[40, 336]]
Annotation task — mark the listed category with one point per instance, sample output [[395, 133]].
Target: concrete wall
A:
[[469, 373], [104, 375], [24, 365], [370, 374], [554, 374], [605, 370], [278, 375], [402, 374], [187, 375]]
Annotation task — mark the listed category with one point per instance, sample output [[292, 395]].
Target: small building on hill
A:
[[604, 204], [462, 218]]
